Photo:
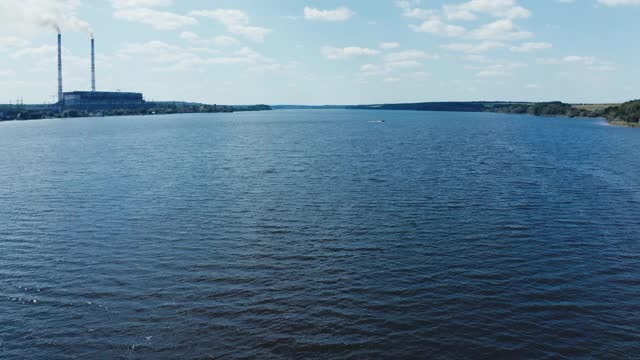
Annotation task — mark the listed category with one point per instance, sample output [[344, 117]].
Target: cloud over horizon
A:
[[349, 48]]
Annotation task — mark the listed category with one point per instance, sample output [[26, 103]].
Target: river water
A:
[[319, 234]]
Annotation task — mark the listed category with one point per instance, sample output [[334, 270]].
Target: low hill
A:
[[308, 107], [628, 112], [554, 108], [428, 106]]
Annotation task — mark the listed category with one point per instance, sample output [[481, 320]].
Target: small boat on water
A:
[[376, 121]]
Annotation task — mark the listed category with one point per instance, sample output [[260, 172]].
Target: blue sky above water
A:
[[326, 52]]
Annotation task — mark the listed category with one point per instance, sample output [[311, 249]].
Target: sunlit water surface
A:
[[319, 234]]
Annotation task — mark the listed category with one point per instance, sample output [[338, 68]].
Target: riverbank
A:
[[625, 114], [23, 113], [554, 108], [624, 123]]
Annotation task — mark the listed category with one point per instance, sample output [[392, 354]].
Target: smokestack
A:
[[93, 66], [60, 95]]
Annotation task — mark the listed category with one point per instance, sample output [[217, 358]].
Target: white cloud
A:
[[456, 12], [223, 41], [160, 20], [36, 52], [474, 48], [591, 63], [476, 58], [436, 26], [439, 22], [43, 58], [602, 67], [531, 46], [587, 60], [218, 41], [422, 14], [160, 52], [8, 43], [389, 45], [619, 2], [140, 3], [334, 53], [236, 21], [507, 9], [339, 14], [409, 10], [143, 12], [408, 55], [394, 64], [496, 69], [371, 70], [497, 8], [403, 64], [500, 30], [492, 73], [6, 72], [166, 57], [431, 21], [548, 61], [421, 74], [404, 4], [189, 36], [25, 17]]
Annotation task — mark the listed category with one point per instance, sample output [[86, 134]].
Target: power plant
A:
[[100, 103], [94, 100]]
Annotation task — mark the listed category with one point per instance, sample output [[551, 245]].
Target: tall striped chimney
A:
[[60, 95], [93, 65]]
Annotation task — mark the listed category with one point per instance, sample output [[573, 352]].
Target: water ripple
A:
[[313, 234]]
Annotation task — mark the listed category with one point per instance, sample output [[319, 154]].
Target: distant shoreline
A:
[[104, 116], [24, 112], [627, 114], [624, 124], [611, 113]]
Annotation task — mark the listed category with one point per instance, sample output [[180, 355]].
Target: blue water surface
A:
[[319, 234]]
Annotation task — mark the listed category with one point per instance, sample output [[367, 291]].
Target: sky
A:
[[325, 51]]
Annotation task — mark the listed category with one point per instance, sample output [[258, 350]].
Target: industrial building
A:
[[94, 100], [102, 100], [99, 103]]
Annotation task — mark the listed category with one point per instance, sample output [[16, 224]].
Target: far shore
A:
[[624, 123], [625, 114]]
